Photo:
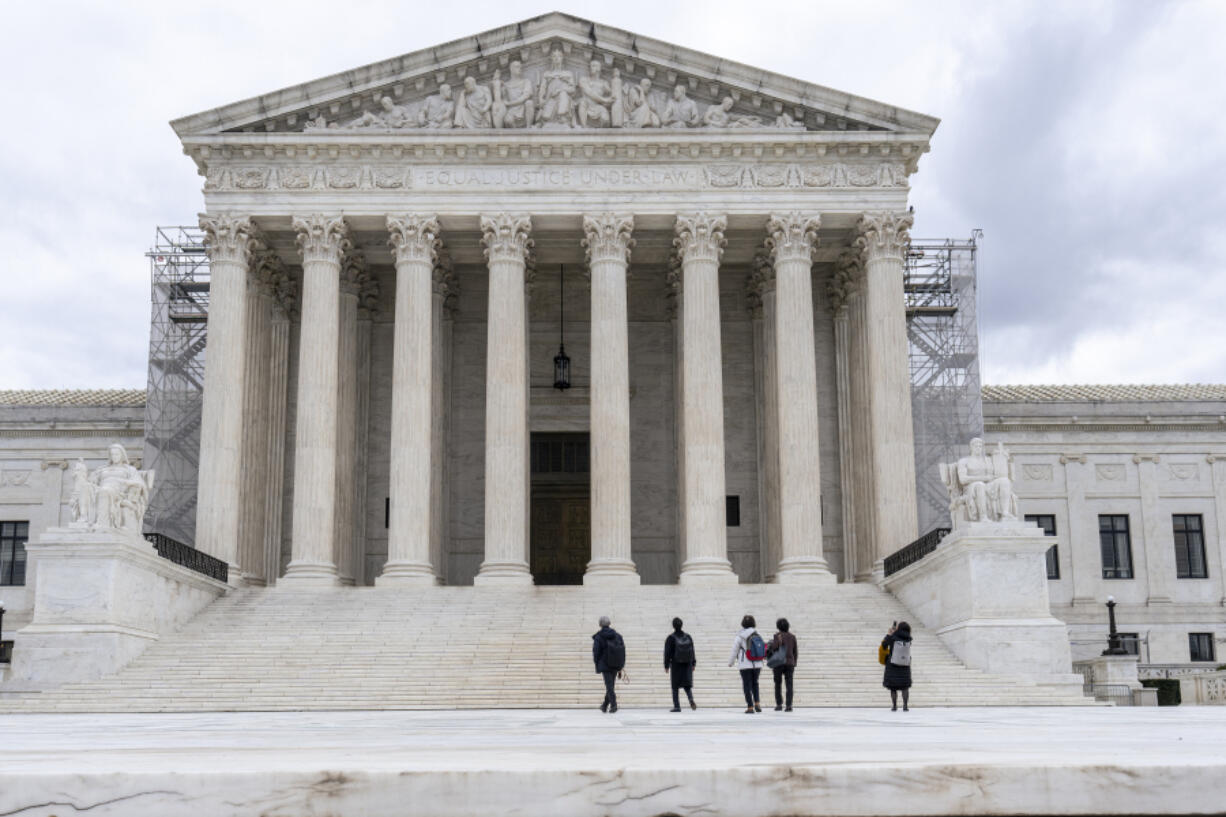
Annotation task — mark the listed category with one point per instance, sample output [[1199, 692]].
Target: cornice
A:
[[1082, 428]]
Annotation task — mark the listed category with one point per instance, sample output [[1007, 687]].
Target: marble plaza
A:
[[632, 764]]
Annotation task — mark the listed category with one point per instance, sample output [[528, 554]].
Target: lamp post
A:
[[561, 363], [1114, 645], [1, 630]]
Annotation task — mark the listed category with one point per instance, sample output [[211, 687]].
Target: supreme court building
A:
[[398, 251]]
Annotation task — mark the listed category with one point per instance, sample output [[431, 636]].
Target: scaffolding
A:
[[943, 335], [175, 395]]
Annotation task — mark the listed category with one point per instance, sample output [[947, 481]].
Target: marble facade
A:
[[701, 212]]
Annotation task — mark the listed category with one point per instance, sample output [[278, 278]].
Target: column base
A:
[[804, 570], [252, 580], [310, 574], [621, 572], [707, 571], [406, 574], [506, 574]]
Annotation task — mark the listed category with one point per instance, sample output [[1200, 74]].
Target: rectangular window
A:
[[13, 536], [733, 511], [1189, 546], [1048, 523], [1131, 642], [1200, 646], [1116, 546]]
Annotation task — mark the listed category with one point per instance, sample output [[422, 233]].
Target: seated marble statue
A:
[[638, 110], [114, 496], [390, 115], [556, 98], [472, 110], [439, 110], [682, 112], [721, 116], [513, 106], [980, 486], [595, 99]]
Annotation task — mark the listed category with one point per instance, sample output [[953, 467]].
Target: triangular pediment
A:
[[554, 73]]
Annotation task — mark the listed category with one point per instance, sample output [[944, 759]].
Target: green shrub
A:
[[1168, 690]]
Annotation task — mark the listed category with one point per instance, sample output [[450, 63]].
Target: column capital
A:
[[844, 282], [273, 280], [229, 237], [507, 236], [321, 237], [354, 275], [607, 237], [443, 276], [792, 237], [883, 235], [760, 282], [414, 237], [700, 236], [673, 284]]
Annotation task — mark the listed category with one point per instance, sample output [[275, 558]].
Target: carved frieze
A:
[[1110, 472], [1037, 472]]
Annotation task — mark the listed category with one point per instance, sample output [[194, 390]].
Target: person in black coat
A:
[[897, 676], [601, 643], [677, 646]]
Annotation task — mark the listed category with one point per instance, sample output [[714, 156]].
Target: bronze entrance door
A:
[[561, 521]]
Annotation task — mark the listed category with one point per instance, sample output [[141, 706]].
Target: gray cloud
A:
[[1088, 140]]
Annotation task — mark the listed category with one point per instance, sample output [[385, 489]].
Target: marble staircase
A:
[[475, 648]]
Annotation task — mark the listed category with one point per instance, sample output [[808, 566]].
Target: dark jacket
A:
[[788, 640], [682, 675], [600, 642], [896, 677]]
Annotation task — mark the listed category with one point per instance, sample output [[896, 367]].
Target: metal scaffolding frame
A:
[[175, 394], [943, 334]]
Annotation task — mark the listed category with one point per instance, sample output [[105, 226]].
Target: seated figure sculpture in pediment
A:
[[682, 112], [596, 98], [390, 115], [472, 109], [556, 98], [114, 496], [513, 106], [980, 486], [639, 113], [439, 110]]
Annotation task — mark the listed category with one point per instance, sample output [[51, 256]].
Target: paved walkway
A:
[[637, 762]]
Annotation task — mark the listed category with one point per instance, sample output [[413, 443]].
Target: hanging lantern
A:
[[561, 363]]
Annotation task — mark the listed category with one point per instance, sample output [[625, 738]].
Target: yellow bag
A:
[[882, 654]]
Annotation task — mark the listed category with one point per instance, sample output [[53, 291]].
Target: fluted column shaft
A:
[[791, 240], [274, 495], [863, 481], [346, 426], [883, 240], [839, 290], [699, 242], [414, 238], [255, 433], [507, 243], [608, 242], [230, 240], [322, 240], [440, 328]]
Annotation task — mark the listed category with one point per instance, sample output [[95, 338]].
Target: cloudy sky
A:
[[1087, 140]]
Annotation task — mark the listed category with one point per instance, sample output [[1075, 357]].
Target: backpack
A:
[[755, 647], [900, 655], [683, 649], [615, 652]]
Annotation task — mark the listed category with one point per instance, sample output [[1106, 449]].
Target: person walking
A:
[[783, 640], [609, 653], [898, 664], [748, 654], [679, 661]]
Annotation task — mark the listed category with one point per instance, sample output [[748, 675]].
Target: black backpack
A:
[[615, 652], [683, 649]]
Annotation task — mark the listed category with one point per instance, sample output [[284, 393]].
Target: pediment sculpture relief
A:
[[980, 486], [554, 97], [113, 496]]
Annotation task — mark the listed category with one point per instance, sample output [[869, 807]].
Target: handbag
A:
[[777, 657], [883, 653]]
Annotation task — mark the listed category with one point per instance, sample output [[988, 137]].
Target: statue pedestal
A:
[[100, 598], [984, 592]]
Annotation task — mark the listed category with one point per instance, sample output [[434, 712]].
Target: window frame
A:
[[1187, 571], [1053, 552], [1115, 572], [1208, 641], [12, 544]]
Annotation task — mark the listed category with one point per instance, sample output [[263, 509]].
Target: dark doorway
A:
[[561, 522]]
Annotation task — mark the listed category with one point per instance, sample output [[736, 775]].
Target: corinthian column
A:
[[761, 294], [415, 241], [791, 240], [353, 276], [883, 240], [322, 241], [507, 243], [838, 291], [699, 243], [608, 242], [230, 241]]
